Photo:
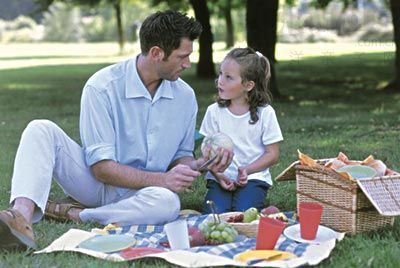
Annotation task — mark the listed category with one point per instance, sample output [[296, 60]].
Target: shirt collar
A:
[[134, 87]]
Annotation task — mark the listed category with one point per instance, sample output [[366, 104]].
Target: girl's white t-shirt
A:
[[249, 139]]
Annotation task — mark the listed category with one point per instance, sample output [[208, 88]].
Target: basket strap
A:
[[353, 188], [364, 209], [325, 202]]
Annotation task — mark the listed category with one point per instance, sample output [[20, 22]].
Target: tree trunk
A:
[[205, 67], [230, 38], [121, 36], [261, 26], [394, 85]]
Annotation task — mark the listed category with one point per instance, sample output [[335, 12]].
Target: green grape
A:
[[203, 227], [229, 228], [206, 234], [224, 234], [215, 234], [221, 226], [229, 239], [235, 232], [218, 233], [230, 231]]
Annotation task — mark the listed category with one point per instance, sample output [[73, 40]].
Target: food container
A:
[[351, 206], [247, 229]]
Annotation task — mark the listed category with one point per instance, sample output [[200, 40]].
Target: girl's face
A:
[[230, 86]]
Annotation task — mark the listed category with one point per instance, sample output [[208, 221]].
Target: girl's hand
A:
[[225, 182], [223, 160], [242, 177]]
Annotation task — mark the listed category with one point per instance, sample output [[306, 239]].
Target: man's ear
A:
[[156, 53], [249, 85]]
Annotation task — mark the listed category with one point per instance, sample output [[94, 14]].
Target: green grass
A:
[[332, 105]]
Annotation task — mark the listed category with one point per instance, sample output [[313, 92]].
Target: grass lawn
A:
[[332, 106]]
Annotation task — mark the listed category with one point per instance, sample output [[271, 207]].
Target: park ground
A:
[[331, 103]]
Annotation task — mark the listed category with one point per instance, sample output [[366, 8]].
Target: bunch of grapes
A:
[[218, 232]]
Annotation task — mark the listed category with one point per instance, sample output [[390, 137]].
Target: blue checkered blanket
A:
[[153, 236]]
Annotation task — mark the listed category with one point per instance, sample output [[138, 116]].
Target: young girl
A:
[[244, 113]]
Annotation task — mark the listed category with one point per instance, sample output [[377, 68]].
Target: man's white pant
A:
[[45, 152]]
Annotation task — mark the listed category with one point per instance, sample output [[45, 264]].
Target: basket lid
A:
[[384, 193], [290, 172]]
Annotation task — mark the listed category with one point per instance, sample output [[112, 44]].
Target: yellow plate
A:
[[259, 254]]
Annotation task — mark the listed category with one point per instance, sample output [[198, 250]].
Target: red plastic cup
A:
[[310, 217], [268, 233]]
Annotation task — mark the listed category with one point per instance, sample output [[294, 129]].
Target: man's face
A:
[[172, 67]]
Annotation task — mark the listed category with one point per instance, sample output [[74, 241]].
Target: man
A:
[[137, 127]]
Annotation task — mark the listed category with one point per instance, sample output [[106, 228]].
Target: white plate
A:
[[358, 171], [108, 243], [324, 234]]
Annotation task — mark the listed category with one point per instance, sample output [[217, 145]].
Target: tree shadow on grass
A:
[[344, 78], [317, 75], [334, 83]]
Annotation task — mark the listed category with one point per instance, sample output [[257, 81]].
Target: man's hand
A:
[[180, 178], [242, 177]]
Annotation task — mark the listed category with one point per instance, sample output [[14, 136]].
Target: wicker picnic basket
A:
[[346, 206], [247, 229]]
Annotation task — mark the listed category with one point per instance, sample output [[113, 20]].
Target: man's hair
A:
[[166, 30]]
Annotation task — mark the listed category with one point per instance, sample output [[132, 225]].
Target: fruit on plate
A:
[[278, 216], [236, 218], [215, 141], [218, 232], [196, 237], [269, 210], [250, 215]]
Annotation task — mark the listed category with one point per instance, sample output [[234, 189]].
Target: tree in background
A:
[[205, 66], [62, 23], [121, 36], [230, 37], [261, 26], [16, 8], [224, 8], [393, 85], [116, 4]]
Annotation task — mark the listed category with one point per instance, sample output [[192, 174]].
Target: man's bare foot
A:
[[25, 206], [73, 214]]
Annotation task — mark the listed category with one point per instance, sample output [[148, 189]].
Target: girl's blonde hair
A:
[[253, 67]]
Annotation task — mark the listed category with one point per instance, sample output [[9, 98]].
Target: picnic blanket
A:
[[153, 236]]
